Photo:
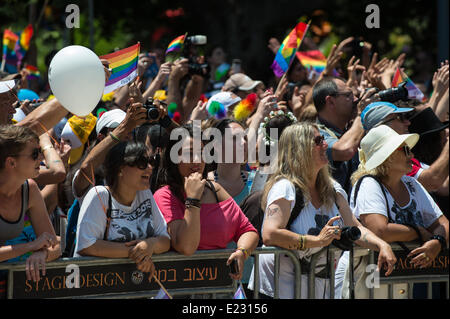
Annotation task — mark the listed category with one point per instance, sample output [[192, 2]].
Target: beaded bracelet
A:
[[115, 138], [245, 251]]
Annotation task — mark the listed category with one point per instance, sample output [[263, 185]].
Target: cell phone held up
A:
[[234, 269]]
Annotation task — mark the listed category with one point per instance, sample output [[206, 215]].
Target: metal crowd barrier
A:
[[203, 273]]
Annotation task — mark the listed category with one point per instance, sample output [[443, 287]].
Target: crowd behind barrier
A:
[[225, 288], [333, 170]]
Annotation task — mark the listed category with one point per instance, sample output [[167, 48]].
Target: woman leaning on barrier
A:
[[301, 185], [393, 205], [122, 219], [20, 157], [200, 214]]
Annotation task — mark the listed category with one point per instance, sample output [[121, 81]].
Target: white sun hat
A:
[[380, 143]]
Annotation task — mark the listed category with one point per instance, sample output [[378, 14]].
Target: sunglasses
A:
[[318, 140], [143, 161], [400, 116], [34, 154], [406, 150]]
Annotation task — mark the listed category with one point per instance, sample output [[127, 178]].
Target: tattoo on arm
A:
[[272, 211]]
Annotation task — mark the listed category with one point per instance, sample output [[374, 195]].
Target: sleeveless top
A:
[[10, 230], [248, 181]]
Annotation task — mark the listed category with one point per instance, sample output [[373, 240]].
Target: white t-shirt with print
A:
[[309, 221], [141, 220], [421, 209]]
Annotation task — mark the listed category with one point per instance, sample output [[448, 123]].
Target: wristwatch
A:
[[441, 240]]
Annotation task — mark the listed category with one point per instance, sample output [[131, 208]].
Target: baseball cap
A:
[[241, 82], [110, 119], [375, 112], [219, 103], [6, 86]]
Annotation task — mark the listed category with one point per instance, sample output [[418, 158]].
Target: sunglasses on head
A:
[[34, 154], [406, 150], [318, 140]]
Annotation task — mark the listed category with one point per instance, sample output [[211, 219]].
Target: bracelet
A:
[[301, 242], [115, 138], [46, 148], [245, 251], [441, 240], [192, 202]]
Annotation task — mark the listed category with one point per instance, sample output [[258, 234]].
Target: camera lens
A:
[[152, 113], [352, 233]]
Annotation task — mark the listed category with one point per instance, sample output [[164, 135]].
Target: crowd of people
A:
[[341, 157]]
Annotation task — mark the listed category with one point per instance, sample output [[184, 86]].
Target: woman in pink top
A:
[[199, 217]]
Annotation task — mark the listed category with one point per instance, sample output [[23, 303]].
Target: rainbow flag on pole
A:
[[314, 59], [413, 91], [288, 48], [9, 57], [23, 43], [124, 67], [175, 48]]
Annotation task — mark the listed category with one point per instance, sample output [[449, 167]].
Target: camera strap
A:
[[358, 185]]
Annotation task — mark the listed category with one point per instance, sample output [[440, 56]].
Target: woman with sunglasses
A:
[[20, 157], [393, 205], [122, 219], [200, 214], [302, 174]]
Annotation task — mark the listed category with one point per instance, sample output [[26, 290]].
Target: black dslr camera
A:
[[153, 113], [348, 236], [190, 51], [394, 94]]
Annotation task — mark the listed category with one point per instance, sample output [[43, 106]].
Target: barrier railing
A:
[[205, 272]]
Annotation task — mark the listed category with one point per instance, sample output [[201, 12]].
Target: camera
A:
[[190, 51], [153, 113], [348, 236], [394, 94], [234, 269]]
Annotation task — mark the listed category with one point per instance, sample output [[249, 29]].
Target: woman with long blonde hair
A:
[[301, 203]]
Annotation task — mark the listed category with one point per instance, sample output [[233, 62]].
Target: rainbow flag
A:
[[176, 45], [124, 67], [413, 91], [34, 72], [314, 59], [287, 50], [9, 57], [239, 294], [23, 44]]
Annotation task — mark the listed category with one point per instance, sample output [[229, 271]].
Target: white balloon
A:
[[77, 79]]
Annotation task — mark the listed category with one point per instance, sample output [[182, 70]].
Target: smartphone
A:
[[236, 66], [234, 269]]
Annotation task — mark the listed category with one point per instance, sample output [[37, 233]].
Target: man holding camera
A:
[[339, 122]]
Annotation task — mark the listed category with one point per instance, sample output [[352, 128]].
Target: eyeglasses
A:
[[406, 150], [348, 94], [34, 154], [143, 161], [318, 140]]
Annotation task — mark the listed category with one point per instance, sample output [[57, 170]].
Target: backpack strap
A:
[[299, 205], [210, 185], [108, 215], [358, 185]]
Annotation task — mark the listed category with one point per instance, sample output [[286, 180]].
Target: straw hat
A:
[[380, 143]]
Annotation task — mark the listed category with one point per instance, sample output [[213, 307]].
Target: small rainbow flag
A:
[[287, 50], [23, 44], [413, 91], [314, 59], [240, 293], [124, 67], [9, 58], [34, 72], [176, 45]]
